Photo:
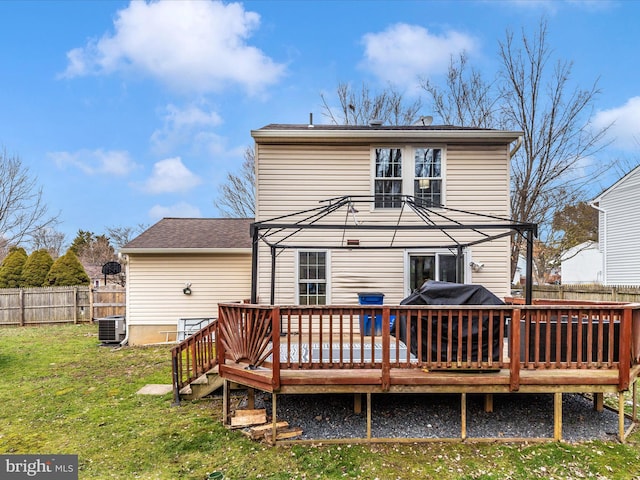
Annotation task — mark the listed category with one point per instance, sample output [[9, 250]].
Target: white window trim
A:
[[296, 272], [466, 254], [408, 165]]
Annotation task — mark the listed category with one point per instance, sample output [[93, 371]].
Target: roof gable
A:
[[624, 179], [194, 233]]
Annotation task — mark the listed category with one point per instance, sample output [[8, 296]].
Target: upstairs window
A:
[[409, 170], [388, 178], [427, 183]]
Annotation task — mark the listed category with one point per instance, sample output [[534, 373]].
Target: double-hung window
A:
[[312, 278], [388, 177], [421, 175], [427, 183]]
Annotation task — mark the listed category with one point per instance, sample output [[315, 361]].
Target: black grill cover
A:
[[446, 293]]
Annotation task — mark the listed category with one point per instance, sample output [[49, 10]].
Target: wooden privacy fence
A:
[[589, 292], [48, 305]]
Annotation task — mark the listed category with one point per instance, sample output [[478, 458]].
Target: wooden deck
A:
[[543, 348]]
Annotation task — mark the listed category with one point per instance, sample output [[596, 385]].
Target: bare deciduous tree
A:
[[536, 96], [120, 236], [22, 210], [50, 240], [467, 99], [359, 107], [237, 196], [549, 171]]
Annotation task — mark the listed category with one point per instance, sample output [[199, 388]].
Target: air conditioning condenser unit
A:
[[111, 329]]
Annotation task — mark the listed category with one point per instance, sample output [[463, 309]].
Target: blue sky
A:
[[129, 112]]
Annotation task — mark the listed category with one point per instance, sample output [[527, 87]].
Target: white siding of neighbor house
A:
[[582, 264], [155, 284], [620, 230], [291, 178]]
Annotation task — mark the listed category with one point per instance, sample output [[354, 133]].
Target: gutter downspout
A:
[[515, 149], [603, 248], [125, 259]]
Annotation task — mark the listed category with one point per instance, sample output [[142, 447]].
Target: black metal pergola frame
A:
[[278, 233]]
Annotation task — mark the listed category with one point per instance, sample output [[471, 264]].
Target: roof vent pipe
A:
[[375, 122], [310, 120]]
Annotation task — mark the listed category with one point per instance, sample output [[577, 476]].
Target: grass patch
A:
[[62, 393]]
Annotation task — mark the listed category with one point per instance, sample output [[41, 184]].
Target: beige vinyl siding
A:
[[296, 177], [156, 282]]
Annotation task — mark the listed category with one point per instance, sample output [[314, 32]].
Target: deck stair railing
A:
[[193, 357]]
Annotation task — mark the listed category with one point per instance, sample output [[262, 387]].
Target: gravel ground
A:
[[438, 416]]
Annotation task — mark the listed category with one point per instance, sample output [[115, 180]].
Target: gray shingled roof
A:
[[205, 233]]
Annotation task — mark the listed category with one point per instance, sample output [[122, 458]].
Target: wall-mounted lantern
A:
[[187, 288]]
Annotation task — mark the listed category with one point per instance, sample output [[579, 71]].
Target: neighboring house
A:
[[300, 167], [582, 264], [619, 230], [182, 268]]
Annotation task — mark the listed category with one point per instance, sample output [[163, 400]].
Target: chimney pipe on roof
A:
[[310, 120]]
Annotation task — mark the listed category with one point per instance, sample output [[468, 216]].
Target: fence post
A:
[[75, 305], [21, 299]]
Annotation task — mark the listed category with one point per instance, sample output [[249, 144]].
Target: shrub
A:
[[11, 268], [67, 271], [36, 268]]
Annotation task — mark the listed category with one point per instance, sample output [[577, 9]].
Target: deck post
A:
[[254, 263], [598, 401], [634, 399], [621, 433], [368, 415], [624, 366], [386, 334], [463, 416], [225, 402], [514, 351], [557, 416], [275, 340], [357, 403], [488, 402], [274, 418]]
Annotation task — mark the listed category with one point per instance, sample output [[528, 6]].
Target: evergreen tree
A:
[[36, 268], [67, 271], [11, 268]]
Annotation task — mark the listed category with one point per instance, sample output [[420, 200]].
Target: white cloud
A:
[[180, 210], [170, 176], [403, 52], [185, 126], [189, 45], [96, 162], [625, 124]]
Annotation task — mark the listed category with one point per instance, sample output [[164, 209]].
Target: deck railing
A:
[[473, 338], [193, 357]]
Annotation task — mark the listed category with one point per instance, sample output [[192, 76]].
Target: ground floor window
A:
[[430, 266], [312, 278]]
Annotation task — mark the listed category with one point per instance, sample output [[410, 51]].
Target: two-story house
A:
[[391, 188]]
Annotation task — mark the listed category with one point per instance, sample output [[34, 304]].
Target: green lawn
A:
[[62, 393]]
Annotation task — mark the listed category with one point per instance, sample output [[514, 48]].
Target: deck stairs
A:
[[202, 386]]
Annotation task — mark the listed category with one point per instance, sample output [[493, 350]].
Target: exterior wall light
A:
[[187, 288]]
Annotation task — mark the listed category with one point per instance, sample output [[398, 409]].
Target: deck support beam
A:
[[557, 416], [488, 402]]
